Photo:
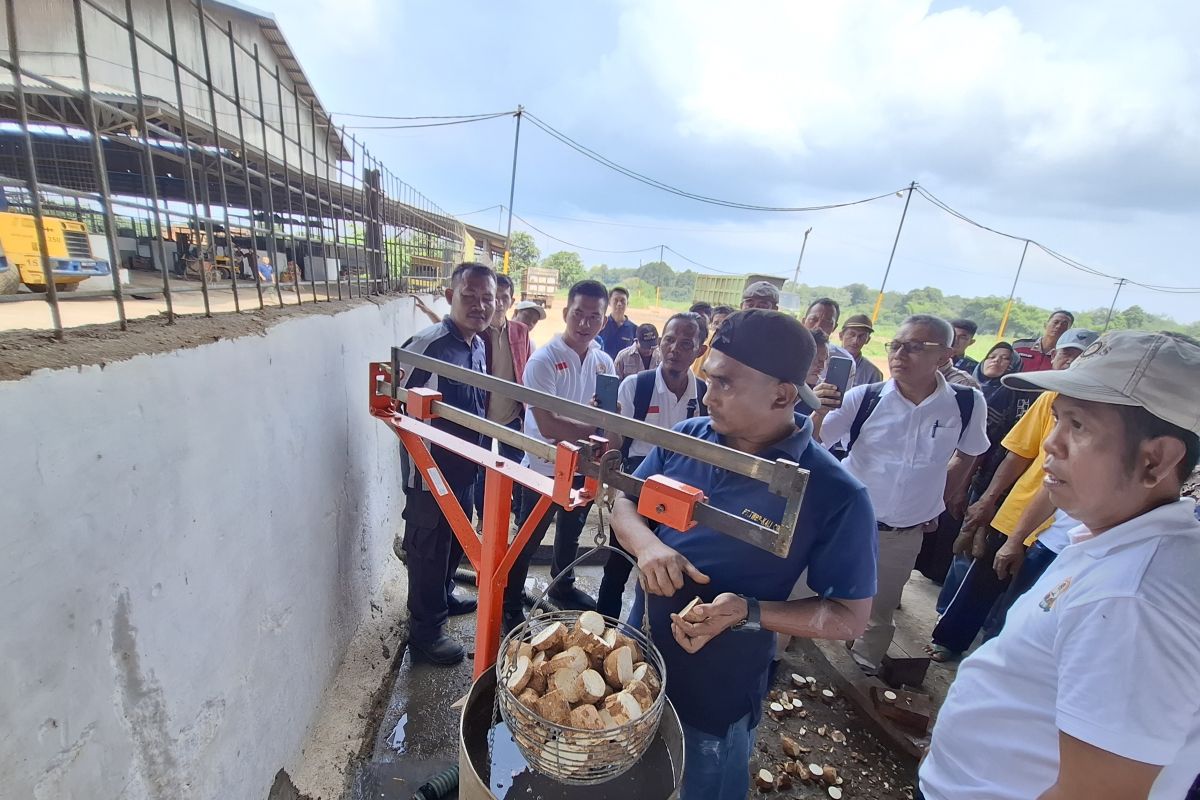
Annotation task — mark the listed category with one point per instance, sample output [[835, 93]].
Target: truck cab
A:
[[67, 245]]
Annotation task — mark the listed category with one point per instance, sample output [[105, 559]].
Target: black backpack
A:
[[963, 395], [643, 391]]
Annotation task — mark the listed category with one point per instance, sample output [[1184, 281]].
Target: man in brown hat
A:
[[855, 335]]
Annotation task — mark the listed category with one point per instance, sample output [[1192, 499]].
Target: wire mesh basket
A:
[[575, 755]]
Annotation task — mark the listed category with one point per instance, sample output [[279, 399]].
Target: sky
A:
[[1076, 124]]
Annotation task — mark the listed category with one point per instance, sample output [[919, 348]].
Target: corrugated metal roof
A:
[[291, 65]]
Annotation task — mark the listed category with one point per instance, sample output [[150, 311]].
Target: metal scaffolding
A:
[[208, 155]]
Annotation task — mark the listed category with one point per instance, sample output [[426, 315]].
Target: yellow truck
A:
[[67, 244]]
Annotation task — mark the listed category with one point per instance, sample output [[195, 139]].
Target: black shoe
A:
[[572, 599], [510, 620], [442, 651], [457, 606]]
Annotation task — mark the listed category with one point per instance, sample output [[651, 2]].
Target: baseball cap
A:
[[1079, 338], [761, 289], [1157, 371], [771, 342], [647, 333], [859, 321], [524, 304]]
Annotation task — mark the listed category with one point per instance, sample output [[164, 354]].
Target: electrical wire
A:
[[441, 124], [666, 187], [1066, 260], [423, 116], [580, 246]]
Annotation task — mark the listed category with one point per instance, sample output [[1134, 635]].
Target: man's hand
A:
[[706, 620], [829, 396], [956, 504], [1009, 558], [979, 514], [664, 569]]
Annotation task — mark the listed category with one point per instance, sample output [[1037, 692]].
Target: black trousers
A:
[[432, 554], [973, 602], [616, 569], [568, 526]]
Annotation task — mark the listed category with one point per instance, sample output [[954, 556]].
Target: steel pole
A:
[[1107, 320], [512, 190], [800, 260], [1012, 292], [879, 300]]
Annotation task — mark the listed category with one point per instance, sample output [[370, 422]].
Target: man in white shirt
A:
[[664, 396], [1090, 689], [822, 315], [915, 436], [565, 367]]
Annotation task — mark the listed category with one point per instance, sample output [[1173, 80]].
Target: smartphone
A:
[[837, 372], [606, 392]]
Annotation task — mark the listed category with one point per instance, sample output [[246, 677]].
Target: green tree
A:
[[657, 273], [523, 253], [567, 264]]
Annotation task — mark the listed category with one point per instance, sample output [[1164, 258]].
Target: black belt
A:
[[885, 527]]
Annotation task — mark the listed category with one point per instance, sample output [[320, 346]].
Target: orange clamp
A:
[[670, 502], [420, 403]]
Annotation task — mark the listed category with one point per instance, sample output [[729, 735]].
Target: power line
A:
[[666, 187], [580, 246], [441, 124], [1066, 260], [423, 116]]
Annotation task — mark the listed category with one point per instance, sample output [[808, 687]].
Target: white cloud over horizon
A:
[[1074, 123]]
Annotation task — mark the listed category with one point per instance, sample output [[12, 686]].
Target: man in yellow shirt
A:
[[994, 517]]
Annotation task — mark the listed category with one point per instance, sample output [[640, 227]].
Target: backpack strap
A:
[[643, 392], [869, 401], [965, 397]]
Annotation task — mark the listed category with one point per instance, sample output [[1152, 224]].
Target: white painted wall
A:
[[188, 542]]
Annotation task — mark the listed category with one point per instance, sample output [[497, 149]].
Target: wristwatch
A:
[[753, 620]]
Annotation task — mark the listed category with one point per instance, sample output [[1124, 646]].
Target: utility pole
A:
[[1013, 291], [879, 300], [1120, 283], [660, 254], [512, 189], [800, 260]]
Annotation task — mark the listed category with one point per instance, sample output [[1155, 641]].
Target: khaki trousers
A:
[[898, 552]]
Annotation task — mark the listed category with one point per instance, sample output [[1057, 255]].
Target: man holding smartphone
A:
[[567, 366], [908, 440]]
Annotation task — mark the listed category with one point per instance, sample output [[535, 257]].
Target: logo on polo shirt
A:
[[1052, 596], [653, 410], [561, 366]]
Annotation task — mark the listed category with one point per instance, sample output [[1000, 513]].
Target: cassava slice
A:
[[618, 667], [586, 717], [554, 707], [607, 719], [635, 652], [591, 622], [516, 649], [519, 677], [641, 692], [593, 645], [566, 682], [764, 780], [592, 688], [688, 608], [623, 707], [573, 658], [529, 698], [550, 637], [645, 673]]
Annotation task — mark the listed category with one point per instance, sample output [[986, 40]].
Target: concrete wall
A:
[[189, 541]]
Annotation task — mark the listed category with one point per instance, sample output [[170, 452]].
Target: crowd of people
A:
[[1041, 486]]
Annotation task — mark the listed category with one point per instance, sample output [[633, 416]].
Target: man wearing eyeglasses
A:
[[912, 440]]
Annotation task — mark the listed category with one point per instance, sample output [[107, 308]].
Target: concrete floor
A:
[[418, 735]]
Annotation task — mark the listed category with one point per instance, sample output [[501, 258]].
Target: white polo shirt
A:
[[557, 369], [665, 410], [903, 449], [1104, 647]]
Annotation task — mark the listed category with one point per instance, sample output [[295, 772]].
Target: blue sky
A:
[[1074, 123]]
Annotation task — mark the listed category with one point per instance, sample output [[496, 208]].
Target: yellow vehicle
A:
[[67, 244]]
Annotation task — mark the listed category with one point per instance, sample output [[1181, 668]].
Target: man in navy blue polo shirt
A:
[[432, 551], [718, 657], [619, 331]]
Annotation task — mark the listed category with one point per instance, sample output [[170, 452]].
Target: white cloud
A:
[[887, 85]]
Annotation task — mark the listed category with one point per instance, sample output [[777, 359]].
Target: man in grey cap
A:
[[760, 294], [1090, 690]]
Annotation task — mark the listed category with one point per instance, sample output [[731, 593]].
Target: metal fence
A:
[[197, 157]]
